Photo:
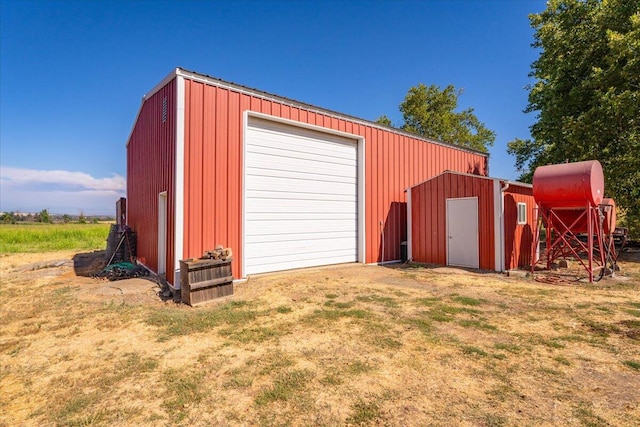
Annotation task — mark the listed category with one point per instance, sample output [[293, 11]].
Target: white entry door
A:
[[462, 232]]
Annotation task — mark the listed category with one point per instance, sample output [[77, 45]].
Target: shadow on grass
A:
[[411, 265]]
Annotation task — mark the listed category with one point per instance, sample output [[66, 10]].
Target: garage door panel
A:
[[297, 140], [300, 198], [301, 216], [265, 265], [299, 187], [298, 195], [292, 237], [309, 151], [271, 258], [279, 249], [307, 166], [300, 206], [281, 228], [274, 179]]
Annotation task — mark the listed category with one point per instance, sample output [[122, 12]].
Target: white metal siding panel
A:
[[301, 199]]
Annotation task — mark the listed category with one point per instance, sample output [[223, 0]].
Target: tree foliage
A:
[[384, 120], [586, 93], [430, 112], [43, 216]]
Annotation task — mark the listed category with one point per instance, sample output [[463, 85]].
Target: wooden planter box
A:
[[205, 279]]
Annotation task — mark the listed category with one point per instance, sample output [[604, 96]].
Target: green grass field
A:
[[36, 237]]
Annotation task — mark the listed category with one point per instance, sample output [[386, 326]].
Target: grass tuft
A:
[[358, 367], [427, 301], [635, 313], [257, 334], [379, 299], [588, 418], [469, 301], [478, 324], [74, 411], [183, 390], [283, 309], [422, 325], [632, 364], [471, 350], [178, 321], [387, 343], [363, 413], [239, 378], [339, 305], [284, 387]]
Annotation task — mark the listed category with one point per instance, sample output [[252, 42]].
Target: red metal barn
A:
[[283, 183], [470, 221]]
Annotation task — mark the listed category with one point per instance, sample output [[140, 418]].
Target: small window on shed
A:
[[522, 213]]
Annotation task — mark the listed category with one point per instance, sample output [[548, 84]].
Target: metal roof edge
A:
[[214, 81], [152, 92], [133, 126], [506, 181]]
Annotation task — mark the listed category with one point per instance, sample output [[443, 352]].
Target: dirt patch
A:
[[345, 345]]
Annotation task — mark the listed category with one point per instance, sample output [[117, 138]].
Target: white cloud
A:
[[20, 176], [59, 191]]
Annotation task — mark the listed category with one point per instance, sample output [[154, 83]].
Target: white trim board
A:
[[178, 227]]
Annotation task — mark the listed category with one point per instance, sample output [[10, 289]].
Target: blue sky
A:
[[72, 74]]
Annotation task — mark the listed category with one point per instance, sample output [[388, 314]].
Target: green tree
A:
[[8, 217], [43, 216], [384, 120], [430, 111], [81, 218], [66, 218], [586, 94]]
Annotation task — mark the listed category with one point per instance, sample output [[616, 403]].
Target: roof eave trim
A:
[[506, 181]]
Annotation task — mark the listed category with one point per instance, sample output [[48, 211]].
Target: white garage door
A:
[[300, 197]]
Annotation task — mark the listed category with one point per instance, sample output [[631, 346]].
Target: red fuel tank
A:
[[576, 219], [569, 185]]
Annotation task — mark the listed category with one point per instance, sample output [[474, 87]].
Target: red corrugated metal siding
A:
[[150, 167], [213, 170], [428, 217], [518, 237]]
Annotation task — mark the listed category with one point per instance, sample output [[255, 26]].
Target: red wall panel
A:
[[518, 238], [428, 217], [214, 169], [150, 165]]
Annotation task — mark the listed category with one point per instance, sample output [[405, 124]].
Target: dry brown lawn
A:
[[345, 345]]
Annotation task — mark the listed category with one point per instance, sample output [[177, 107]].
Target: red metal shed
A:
[[283, 183], [470, 221]]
